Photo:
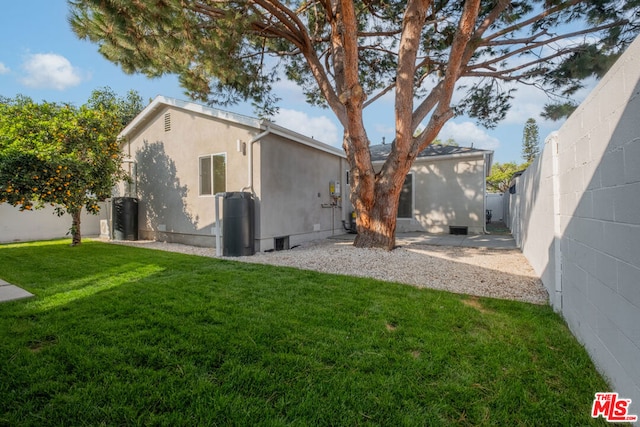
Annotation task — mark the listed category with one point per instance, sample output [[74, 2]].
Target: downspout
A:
[[218, 196], [218, 230], [250, 159]]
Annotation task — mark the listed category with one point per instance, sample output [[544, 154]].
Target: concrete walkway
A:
[[493, 241], [9, 292]]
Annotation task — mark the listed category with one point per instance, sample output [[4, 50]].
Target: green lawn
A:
[[127, 336]]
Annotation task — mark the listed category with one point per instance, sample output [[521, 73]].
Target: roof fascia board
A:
[[301, 139], [137, 120], [214, 112], [476, 154], [160, 101]]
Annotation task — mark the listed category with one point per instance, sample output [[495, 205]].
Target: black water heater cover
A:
[[238, 224], [125, 218]]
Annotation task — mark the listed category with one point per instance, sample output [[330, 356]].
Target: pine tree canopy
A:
[[227, 51]]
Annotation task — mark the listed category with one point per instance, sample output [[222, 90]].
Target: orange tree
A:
[[60, 155]]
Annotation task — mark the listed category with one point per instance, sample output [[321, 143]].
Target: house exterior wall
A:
[[287, 178], [576, 215], [448, 191], [170, 207], [293, 192]]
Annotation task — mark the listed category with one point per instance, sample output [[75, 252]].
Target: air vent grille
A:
[[167, 122]]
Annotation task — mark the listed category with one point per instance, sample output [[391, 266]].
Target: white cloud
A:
[[50, 71], [320, 128], [3, 68], [467, 134], [289, 91], [529, 101]]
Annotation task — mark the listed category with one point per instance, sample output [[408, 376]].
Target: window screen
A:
[[219, 173], [405, 207], [206, 180], [213, 174]]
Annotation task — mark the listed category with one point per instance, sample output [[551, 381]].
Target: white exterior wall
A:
[[290, 178], [168, 178], [293, 192], [447, 191], [43, 224], [495, 203], [576, 216]]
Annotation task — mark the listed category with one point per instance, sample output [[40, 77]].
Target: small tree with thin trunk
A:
[[61, 155], [348, 54]]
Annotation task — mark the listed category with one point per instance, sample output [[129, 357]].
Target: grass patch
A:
[[120, 335]]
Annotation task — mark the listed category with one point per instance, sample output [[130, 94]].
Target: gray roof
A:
[[381, 152]]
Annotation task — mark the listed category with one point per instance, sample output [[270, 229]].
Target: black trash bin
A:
[[238, 224], [125, 218]]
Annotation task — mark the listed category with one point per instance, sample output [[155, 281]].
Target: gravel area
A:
[[496, 273]]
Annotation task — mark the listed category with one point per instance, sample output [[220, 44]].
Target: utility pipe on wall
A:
[[218, 196], [218, 231], [250, 159]]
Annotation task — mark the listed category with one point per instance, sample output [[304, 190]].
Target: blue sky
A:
[[42, 58]]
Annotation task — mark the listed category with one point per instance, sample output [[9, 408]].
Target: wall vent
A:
[[167, 122], [281, 243], [458, 229]]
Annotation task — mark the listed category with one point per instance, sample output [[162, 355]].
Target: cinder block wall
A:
[[576, 216], [43, 224]]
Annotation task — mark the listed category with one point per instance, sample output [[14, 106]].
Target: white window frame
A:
[[211, 156]]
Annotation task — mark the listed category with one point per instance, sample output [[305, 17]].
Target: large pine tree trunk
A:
[[375, 197], [376, 224], [76, 238]]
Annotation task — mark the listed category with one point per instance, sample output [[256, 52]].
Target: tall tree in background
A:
[[530, 141], [62, 155], [348, 54]]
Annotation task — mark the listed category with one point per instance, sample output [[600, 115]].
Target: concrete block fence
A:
[[576, 216], [43, 224]]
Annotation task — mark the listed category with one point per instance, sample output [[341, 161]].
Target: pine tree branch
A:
[[532, 20], [459, 50], [505, 74], [412, 25], [379, 95], [546, 42]]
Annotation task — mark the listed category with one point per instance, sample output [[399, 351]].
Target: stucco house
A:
[[444, 192], [181, 154]]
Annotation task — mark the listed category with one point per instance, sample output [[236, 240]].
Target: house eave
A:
[[475, 154], [160, 102], [301, 139]]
